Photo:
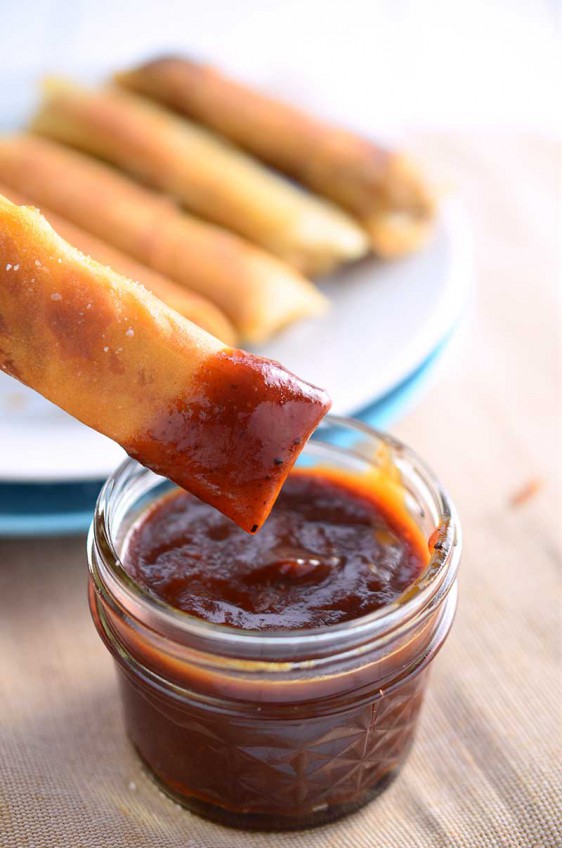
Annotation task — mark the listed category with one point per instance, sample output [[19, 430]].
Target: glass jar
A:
[[276, 730]]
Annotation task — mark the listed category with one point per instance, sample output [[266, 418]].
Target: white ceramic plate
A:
[[386, 319]]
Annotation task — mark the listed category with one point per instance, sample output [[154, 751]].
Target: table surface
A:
[[483, 771]]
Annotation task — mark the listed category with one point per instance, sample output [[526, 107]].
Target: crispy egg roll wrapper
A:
[[206, 173], [192, 306], [379, 187], [222, 423], [259, 293]]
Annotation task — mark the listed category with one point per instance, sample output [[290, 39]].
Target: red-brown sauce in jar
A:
[[327, 554], [274, 745]]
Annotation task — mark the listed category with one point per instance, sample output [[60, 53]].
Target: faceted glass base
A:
[[268, 822]]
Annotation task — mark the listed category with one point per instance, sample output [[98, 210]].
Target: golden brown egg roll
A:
[[207, 174], [192, 306], [259, 293], [381, 188], [222, 423]]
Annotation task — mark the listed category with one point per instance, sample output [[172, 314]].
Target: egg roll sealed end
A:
[[222, 423], [380, 187]]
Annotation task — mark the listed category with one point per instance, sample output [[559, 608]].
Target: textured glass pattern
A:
[[297, 764]]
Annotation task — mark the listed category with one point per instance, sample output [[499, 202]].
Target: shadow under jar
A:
[[276, 730]]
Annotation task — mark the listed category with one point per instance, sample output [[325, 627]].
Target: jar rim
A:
[[428, 590]]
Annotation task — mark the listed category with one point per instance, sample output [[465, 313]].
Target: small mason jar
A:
[[276, 730]]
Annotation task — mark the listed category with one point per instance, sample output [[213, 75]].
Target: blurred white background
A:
[[452, 64]]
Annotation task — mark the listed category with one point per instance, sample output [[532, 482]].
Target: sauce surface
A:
[[328, 553]]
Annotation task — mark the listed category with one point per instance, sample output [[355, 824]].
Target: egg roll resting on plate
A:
[[259, 293], [193, 306], [222, 423], [207, 174], [380, 187]]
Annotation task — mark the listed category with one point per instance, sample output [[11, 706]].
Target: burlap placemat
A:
[[485, 769]]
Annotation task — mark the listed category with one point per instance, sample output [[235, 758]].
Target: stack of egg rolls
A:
[[258, 292], [190, 137], [206, 173], [379, 187]]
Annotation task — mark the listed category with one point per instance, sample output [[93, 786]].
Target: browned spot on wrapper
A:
[[79, 324], [8, 366]]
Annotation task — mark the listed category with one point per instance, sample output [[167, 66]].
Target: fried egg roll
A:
[[222, 423], [259, 293], [380, 187], [193, 306], [207, 174]]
